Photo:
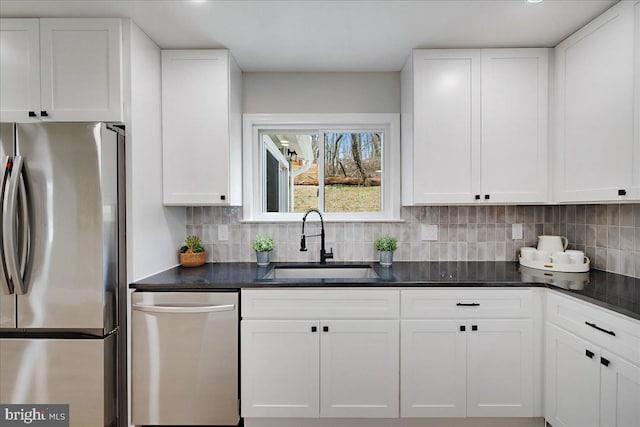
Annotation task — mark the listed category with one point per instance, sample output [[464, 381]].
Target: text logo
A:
[[34, 415]]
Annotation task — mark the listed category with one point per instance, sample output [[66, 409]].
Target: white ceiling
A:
[[311, 35]]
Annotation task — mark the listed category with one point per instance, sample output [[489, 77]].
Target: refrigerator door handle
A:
[[175, 308], [25, 227], [9, 224], [6, 284]]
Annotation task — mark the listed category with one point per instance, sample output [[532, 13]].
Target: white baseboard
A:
[[394, 422]]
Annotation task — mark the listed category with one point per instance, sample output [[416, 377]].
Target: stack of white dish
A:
[[552, 254]]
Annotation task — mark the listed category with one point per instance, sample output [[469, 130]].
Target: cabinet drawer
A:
[[466, 303], [320, 304], [612, 331]]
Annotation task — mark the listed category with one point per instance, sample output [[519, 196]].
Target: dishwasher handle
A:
[[183, 308]]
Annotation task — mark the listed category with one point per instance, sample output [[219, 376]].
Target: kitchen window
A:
[[346, 166]]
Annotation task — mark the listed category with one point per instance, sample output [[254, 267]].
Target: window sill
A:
[[326, 220]]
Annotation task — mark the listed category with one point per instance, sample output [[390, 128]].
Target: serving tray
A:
[[550, 266]]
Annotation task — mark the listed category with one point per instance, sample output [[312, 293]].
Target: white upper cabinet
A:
[[19, 69], [61, 70], [474, 126], [441, 127], [597, 156], [514, 125], [201, 128]]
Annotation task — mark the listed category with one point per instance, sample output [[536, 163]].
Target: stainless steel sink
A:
[[322, 272]]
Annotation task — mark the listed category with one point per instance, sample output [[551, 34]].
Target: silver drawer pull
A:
[[183, 308]]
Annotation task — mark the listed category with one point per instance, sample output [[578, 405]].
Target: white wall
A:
[[154, 232], [321, 92]]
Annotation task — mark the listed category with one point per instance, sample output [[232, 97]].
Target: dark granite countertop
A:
[[613, 291]]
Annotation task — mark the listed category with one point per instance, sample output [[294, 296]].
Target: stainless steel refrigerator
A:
[[62, 268]]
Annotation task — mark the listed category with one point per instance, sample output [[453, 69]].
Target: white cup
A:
[[577, 257], [528, 253], [560, 258], [543, 256]]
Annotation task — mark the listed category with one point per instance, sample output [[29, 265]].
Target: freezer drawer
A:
[[78, 372], [184, 368]]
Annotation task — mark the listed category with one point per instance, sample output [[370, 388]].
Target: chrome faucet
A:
[[324, 256]]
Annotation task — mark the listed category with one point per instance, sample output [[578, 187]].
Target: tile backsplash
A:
[[609, 234]]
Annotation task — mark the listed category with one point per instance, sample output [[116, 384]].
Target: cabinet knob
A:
[[223, 197], [477, 197], [474, 327], [622, 192], [325, 329], [604, 361], [589, 354], [32, 114], [487, 197], [44, 114], [314, 329], [463, 328]]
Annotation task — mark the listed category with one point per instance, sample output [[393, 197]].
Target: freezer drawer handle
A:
[[183, 308]]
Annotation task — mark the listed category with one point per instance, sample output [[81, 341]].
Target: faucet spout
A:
[[324, 255]]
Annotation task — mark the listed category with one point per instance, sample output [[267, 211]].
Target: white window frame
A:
[[253, 124]]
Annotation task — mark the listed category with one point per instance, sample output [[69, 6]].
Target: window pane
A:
[[290, 171], [352, 171]]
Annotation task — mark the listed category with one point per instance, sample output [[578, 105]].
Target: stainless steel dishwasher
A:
[[184, 350]]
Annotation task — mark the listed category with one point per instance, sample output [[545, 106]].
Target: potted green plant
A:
[[192, 253], [385, 246], [263, 245]]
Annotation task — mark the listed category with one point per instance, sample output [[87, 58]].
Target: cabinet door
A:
[[195, 127], [279, 368], [359, 369], [500, 368], [433, 368], [446, 139], [572, 384], [514, 125], [19, 69], [595, 101], [620, 392], [81, 69]]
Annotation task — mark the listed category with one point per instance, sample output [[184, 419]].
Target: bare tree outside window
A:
[[350, 162]]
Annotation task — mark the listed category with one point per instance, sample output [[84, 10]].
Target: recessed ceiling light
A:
[[534, 1]]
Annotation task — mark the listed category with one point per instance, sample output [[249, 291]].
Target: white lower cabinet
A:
[[320, 353], [280, 375], [470, 368], [433, 369], [359, 368], [500, 368], [587, 386], [619, 392], [308, 368]]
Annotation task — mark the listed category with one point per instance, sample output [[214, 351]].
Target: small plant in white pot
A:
[[386, 245], [263, 245]]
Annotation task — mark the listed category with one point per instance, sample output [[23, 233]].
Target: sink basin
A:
[[322, 272]]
